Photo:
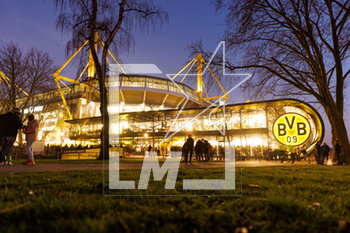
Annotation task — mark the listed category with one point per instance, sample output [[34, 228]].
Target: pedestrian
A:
[[338, 150], [189, 145], [237, 153], [297, 151], [206, 150], [293, 154], [282, 152], [304, 153], [222, 152], [11, 124], [198, 149], [158, 150], [318, 154], [325, 151], [31, 132], [184, 152]]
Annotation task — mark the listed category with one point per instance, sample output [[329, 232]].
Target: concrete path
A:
[[19, 168]]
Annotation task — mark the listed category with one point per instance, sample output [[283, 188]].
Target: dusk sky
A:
[[32, 23]]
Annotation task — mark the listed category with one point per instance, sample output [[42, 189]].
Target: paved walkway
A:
[[19, 168]]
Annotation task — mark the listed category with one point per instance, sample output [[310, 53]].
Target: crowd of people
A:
[[322, 152], [205, 152], [10, 124], [202, 150]]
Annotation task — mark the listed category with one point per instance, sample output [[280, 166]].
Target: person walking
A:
[[31, 132], [11, 123], [318, 155], [338, 150], [325, 152]]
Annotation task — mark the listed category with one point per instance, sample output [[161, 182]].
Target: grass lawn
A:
[[81, 161], [287, 199]]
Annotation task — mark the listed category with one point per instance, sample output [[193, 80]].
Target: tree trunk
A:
[[101, 74], [104, 104], [339, 131], [104, 152], [101, 71]]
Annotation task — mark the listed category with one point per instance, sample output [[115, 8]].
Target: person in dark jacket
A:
[[206, 147], [325, 152], [318, 155], [184, 151], [282, 154], [198, 149], [11, 123], [338, 150], [189, 148]]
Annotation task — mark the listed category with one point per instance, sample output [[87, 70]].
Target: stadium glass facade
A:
[[150, 108], [248, 124]]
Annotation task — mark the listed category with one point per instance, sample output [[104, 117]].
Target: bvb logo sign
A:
[[291, 129]]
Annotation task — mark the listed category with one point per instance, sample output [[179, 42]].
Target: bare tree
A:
[[28, 74], [23, 75], [113, 21], [293, 47], [12, 65]]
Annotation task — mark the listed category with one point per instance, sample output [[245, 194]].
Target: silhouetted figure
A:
[[184, 151], [206, 150], [325, 152], [198, 149], [265, 153], [338, 150], [293, 153], [282, 154], [158, 150], [222, 152], [11, 123], [303, 152], [188, 148], [318, 154]]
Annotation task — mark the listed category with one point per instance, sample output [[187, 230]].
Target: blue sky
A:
[[32, 23]]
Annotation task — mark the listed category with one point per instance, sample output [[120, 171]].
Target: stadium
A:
[[150, 108]]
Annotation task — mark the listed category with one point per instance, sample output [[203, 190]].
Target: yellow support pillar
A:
[[200, 76], [91, 66]]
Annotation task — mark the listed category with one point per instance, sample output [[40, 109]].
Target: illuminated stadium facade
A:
[[149, 107]]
